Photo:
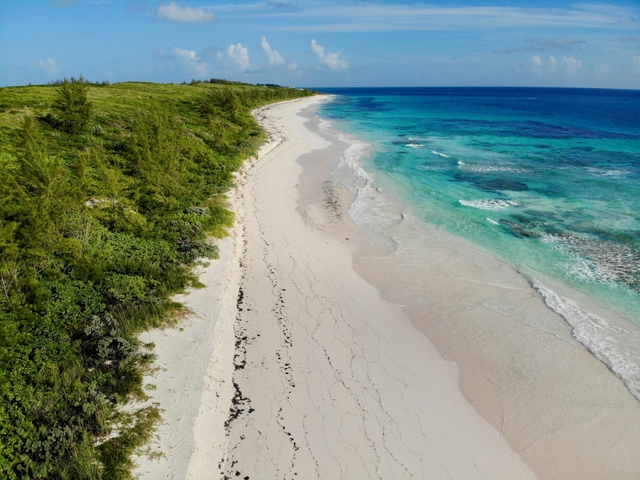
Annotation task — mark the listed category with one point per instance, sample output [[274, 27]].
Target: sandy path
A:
[[330, 381]]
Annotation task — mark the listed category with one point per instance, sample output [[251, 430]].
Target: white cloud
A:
[[331, 60], [190, 58], [272, 55], [568, 66], [49, 65], [240, 56], [174, 13], [369, 16], [571, 65], [292, 66]]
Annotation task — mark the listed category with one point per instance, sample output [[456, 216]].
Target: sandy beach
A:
[[294, 366], [297, 368]]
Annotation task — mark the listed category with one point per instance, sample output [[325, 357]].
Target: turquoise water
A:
[[546, 179]]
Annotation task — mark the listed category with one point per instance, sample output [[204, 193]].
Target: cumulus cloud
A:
[[292, 67], [568, 66], [174, 13], [571, 65], [239, 55], [49, 65], [272, 55], [331, 60], [192, 60]]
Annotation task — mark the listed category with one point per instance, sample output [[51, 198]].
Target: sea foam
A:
[[440, 154], [600, 338], [607, 172], [597, 261], [489, 168], [489, 204]]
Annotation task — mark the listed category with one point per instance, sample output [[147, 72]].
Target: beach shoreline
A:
[[558, 406], [314, 370], [330, 380]]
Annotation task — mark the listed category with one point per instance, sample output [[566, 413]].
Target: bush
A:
[[97, 232], [74, 110]]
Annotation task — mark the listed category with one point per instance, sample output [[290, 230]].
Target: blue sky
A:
[[324, 43]]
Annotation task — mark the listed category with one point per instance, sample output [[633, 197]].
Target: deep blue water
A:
[[547, 179]]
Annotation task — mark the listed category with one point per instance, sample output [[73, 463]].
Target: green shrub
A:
[[97, 232], [72, 106]]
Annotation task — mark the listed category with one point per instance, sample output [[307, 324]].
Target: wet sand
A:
[[561, 409]]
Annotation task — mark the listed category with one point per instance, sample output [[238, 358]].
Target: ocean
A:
[[545, 180]]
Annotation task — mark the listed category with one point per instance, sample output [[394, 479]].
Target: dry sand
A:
[[294, 367]]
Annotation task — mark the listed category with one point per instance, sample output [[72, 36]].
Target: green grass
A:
[[109, 195]]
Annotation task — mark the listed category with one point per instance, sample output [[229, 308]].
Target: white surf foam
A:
[[431, 168], [615, 346], [492, 222], [352, 154], [440, 154], [489, 204], [414, 145], [596, 261], [324, 126], [355, 150], [488, 168], [603, 172]]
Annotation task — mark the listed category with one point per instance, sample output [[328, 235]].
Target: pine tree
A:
[[72, 105]]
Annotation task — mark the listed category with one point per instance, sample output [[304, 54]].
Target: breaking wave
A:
[[600, 337]]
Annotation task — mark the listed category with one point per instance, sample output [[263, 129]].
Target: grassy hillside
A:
[[108, 195]]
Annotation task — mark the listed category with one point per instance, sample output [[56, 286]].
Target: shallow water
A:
[[547, 180], [519, 362]]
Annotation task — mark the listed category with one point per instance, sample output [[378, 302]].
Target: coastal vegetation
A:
[[109, 195]]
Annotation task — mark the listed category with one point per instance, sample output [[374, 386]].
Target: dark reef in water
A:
[[491, 185]]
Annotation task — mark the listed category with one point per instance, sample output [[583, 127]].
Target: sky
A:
[[324, 43]]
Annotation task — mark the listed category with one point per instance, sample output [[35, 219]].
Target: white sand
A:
[[183, 376], [331, 381], [294, 367]]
